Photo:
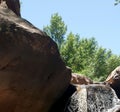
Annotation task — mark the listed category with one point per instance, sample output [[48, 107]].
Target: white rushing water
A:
[[93, 98]]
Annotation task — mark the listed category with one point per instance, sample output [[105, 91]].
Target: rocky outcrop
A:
[[32, 74], [33, 78], [114, 80], [84, 95], [87, 96], [93, 98], [13, 5], [80, 79], [96, 97]]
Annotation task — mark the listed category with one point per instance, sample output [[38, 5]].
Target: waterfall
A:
[[93, 98]]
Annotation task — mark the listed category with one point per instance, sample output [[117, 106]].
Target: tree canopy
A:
[[57, 29], [83, 55], [117, 2]]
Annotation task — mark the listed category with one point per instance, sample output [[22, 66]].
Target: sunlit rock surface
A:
[[13, 5], [33, 77], [114, 80], [32, 73], [93, 98], [80, 79]]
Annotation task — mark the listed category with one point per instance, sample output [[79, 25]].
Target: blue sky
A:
[[88, 18]]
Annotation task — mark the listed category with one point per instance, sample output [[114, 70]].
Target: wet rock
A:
[[32, 74], [93, 98], [115, 109]]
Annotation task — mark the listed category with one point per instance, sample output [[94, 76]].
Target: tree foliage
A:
[[57, 29], [117, 2], [83, 55]]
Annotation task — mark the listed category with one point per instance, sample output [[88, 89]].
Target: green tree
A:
[[113, 62], [117, 2], [68, 50], [84, 56], [57, 29], [87, 50], [100, 65], [78, 53]]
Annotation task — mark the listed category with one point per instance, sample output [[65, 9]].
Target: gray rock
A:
[[92, 98]]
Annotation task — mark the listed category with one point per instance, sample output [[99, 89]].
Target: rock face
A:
[[93, 98], [32, 74], [114, 80], [13, 5], [60, 104], [79, 79]]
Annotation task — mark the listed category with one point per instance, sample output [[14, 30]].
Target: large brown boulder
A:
[[32, 74], [60, 104], [114, 80]]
